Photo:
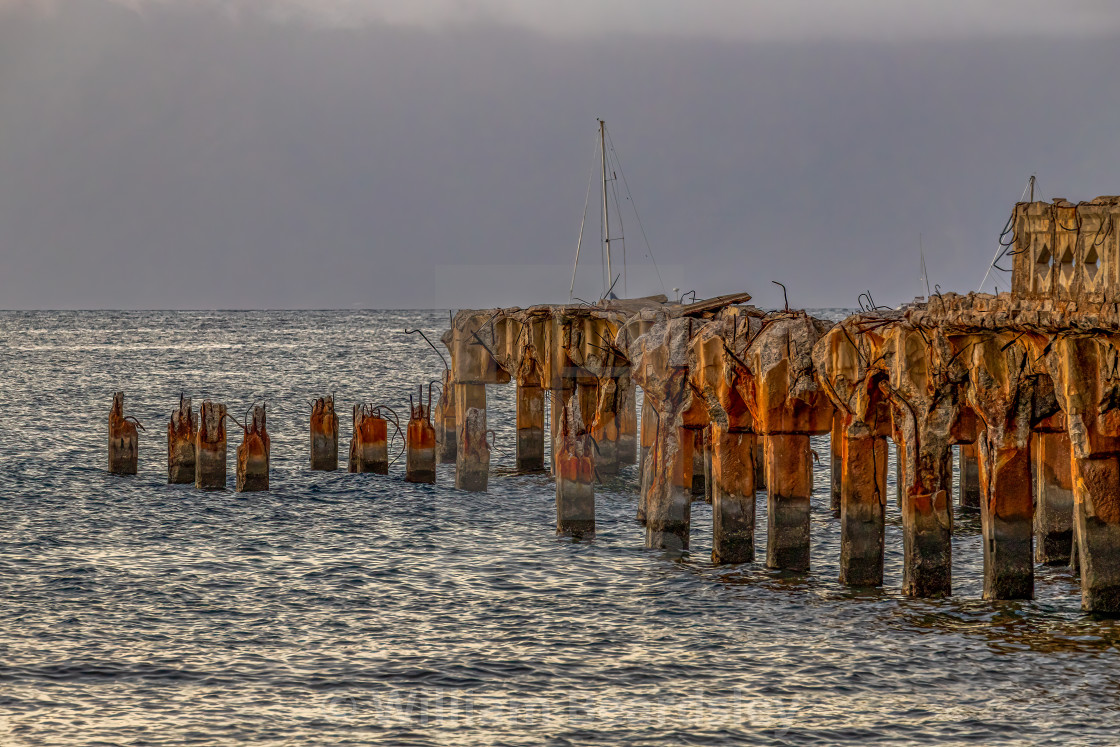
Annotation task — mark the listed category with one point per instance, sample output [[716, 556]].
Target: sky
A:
[[437, 153]]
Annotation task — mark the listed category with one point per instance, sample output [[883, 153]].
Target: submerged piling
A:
[[420, 442], [369, 446], [180, 444], [253, 454], [575, 485], [210, 447], [124, 441], [324, 435]]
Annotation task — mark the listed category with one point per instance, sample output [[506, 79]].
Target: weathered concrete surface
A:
[[324, 435], [420, 444], [575, 486], [124, 441], [970, 476], [180, 444], [472, 457], [530, 428], [628, 425], [1053, 517], [210, 447], [836, 458], [253, 454], [445, 420], [369, 447]]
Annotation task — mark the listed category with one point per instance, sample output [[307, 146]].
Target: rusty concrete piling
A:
[[253, 453], [420, 441], [970, 476], [210, 447], [324, 435], [789, 466], [575, 483], [369, 446], [699, 463], [628, 425], [1053, 518], [733, 503], [124, 441], [530, 428], [863, 487], [180, 444], [836, 461], [472, 457], [444, 417]]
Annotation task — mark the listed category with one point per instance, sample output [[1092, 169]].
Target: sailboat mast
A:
[[606, 219]]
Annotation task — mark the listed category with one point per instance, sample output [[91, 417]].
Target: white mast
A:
[[606, 220]]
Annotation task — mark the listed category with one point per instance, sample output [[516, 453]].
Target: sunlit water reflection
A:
[[357, 609]]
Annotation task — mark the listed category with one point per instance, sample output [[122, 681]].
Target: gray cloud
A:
[[174, 159]]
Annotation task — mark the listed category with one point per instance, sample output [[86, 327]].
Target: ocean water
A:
[[346, 609]]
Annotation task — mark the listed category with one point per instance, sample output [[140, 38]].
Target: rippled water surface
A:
[[357, 609]]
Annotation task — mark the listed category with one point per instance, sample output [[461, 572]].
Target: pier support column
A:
[[253, 454], [1006, 518], [649, 437], [210, 447], [598, 408], [530, 428], [1096, 490], [324, 435], [927, 523], [697, 462], [124, 442], [669, 493], [445, 421], [420, 444], [836, 449], [575, 484], [369, 447], [733, 506], [862, 507], [970, 476], [789, 473], [628, 425], [760, 482], [472, 459], [180, 444], [1053, 517]]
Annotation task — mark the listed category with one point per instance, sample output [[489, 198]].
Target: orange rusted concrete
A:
[[575, 486], [530, 428], [420, 444], [836, 461], [862, 506], [124, 441], [472, 465], [210, 447], [1053, 517], [324, 435], [369, 447], [733, 502], [648, 429], [180, 444], [628, 425], [789, 466], [699, 464], [445, 420], [253, 454]]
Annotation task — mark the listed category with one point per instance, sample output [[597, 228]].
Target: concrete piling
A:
[[836, 462], [789, 467], [530, 428], [970, 476], [575, 484], [324, 435], [698, 463], [420, 442], [253, 454], [124, 441], [472, 458], [669, 496], [180, 444], [628, 425], [648, 429], [445, 420], [599, 401], [1053, 517], [1006, 521], [210, 447], [369, 446], [862, 506], [733, 502]]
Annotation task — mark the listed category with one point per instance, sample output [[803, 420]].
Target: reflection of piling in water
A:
[[420, 442], [324, 435], [253, 454], [369, 446], [124, 441], [210, 447], [180, 444]]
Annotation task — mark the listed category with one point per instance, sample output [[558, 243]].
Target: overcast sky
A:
[[436, 153]]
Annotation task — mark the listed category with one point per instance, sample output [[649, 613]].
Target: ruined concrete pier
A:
[[124, 441], [180, 444], [420, 443], [210, 447], [369, 446], [324, 435], [253, 453]]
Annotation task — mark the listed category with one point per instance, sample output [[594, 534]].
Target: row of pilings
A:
[[1026, 388], [197, 447]]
